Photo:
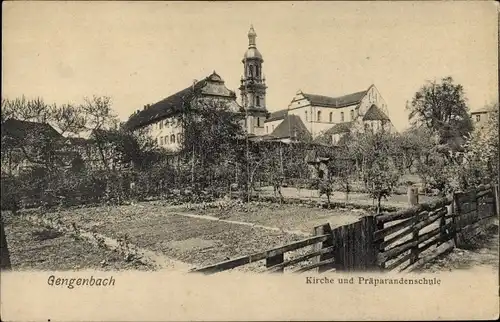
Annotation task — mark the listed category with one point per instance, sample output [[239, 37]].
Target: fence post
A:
[[370, 246], [453, 218], [4, 249], [322, 230], [412, 196], [275, 260], [496, 199], [378, 244]]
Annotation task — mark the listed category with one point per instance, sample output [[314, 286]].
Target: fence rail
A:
[[389, 241]]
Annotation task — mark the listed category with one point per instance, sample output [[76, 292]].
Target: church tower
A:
[[253, 87]]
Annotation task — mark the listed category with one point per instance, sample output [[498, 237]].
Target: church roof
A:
[[291, 127], [375, 114], [277, 115], [337, 102], [171, 105]]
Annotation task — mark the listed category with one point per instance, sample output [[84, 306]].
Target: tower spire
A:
[[251, 37]]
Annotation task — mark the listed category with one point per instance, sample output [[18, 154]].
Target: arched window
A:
[[257, 71], [178, 138], [319, 116], [252, 71], [172, 138], [331, 117]]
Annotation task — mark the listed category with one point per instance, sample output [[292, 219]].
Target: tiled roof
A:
[[291, 126], [170, 105], [375, 114], [340, 128], [278, 115], [20, 130], [342, 101]]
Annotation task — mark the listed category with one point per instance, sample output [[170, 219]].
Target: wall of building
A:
[[167, 133], [328, 116], [480, 119]]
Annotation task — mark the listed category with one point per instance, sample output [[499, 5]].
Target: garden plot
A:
[[34, 247], [198, 237], [191, 240], [301, 218]]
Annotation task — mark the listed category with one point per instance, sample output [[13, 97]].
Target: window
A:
[[257, 71], [341, 116], [178, 138], [258, 120], [331, 117], [478, 118], [273, 127], [257, 99], [161, 140], [306, 117], [352, 115], [172, 138], [319, 116], [251, 70], [160, 125], [267, 129]]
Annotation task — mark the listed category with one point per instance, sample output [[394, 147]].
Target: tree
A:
[[442, 108], [478, 163], [211, 135], [380, 173]]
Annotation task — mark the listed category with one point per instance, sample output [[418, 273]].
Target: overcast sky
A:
[[138, 53]]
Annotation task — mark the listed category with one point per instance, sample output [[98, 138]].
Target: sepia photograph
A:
[[346, 143]]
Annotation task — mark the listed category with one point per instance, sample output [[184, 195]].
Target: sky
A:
[[141, 52]]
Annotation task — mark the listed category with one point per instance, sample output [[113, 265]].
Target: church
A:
[[159, 118], [308, 117]]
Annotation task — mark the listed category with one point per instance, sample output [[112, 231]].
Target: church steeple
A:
[[253, 87], [251, 37]]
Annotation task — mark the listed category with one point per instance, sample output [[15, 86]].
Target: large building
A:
[[160, 121], [333, 116]]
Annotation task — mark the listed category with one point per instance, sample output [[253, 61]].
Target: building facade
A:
[[335, 116], [160, 120], [481, 117]]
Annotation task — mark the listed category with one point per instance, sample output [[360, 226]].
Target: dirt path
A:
[[483, 252], [236, 222]]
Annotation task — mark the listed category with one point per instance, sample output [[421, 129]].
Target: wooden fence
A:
[[404, 238], [389, 241]]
